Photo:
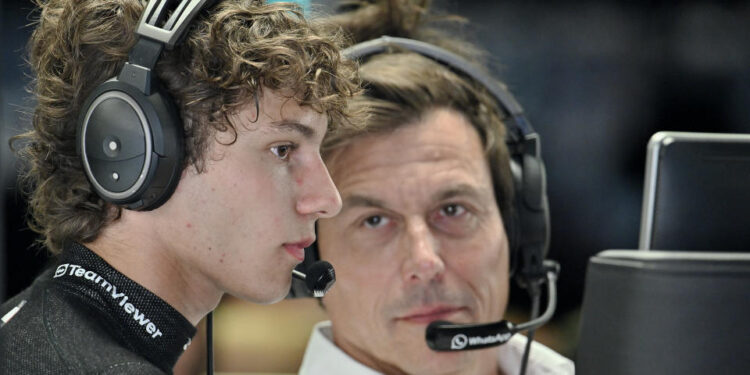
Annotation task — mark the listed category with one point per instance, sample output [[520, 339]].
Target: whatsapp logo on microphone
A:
[[459, 341]]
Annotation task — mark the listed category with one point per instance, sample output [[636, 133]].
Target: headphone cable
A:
[[535, 294], [210, 344]]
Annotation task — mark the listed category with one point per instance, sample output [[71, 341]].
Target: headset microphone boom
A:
[[319, 278]]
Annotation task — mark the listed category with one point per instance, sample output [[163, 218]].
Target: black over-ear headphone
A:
[[130, 134], [530, 230]]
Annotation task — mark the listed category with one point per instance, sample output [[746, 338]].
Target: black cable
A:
[[535, 294], [210, 343]]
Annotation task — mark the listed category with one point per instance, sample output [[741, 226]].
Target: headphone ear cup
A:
[[513, 225], [533, 214], [131, 145]]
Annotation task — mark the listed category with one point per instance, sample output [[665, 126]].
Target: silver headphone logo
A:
[[459, 341]]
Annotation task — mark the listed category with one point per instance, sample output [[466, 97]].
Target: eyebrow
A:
[[457, 191], [293, 126], [353, 201]]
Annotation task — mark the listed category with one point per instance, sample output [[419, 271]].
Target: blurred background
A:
[[596, 79]]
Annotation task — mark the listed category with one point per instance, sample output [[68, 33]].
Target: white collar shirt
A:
[[323, 357]]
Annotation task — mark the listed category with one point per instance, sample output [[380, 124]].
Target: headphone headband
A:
[[521, 130], [175, 27]]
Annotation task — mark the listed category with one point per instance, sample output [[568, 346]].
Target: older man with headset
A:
[[421, 245]]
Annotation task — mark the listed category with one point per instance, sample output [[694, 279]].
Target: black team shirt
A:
[[84, 317]]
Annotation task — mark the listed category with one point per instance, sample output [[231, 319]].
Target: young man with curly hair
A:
[[256, 88]]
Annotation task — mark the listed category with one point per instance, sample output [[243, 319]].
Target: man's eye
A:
[[453, 210], [282, 151], [375, 221]]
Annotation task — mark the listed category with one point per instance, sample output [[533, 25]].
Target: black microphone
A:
[[320, 277], [446, 336]]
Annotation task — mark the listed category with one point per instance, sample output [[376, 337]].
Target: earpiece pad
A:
[[131, 145]]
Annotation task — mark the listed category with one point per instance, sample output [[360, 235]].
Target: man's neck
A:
[[134, 246]]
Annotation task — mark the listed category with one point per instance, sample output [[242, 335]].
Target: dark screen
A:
[[703, 197]]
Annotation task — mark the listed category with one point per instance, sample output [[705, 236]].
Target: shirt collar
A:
[[144, 322], [324, 357]]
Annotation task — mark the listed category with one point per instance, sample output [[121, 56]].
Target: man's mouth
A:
[[428, 314], [297, 249]]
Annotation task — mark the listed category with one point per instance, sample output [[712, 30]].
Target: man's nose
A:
[[424, 261], [319, 196]]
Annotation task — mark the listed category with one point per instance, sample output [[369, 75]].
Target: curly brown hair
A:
[[229, 56], [402, 86]]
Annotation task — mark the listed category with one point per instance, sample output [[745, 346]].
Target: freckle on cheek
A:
[[188, 225], [298, 181]]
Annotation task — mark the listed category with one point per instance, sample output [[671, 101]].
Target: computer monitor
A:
[[696, 194], [665, 312]]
